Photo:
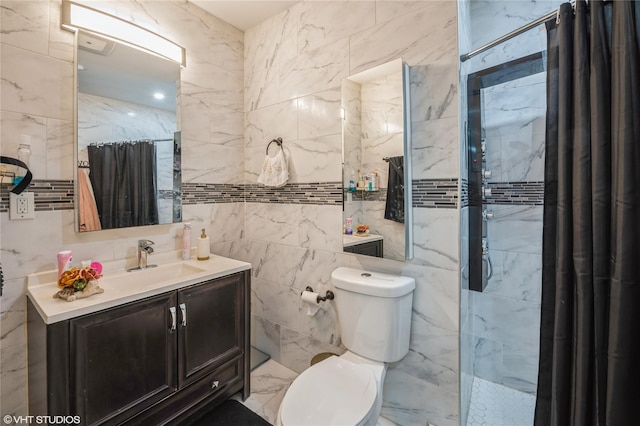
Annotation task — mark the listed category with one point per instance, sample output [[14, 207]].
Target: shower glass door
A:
[[506, 138]]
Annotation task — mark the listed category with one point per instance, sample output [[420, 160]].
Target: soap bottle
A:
[[349, 226], [186, 241], [202, 247], [352, 182], [360, 184]]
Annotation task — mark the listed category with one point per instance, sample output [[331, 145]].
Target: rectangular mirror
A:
[[376, 167], [128, 143]]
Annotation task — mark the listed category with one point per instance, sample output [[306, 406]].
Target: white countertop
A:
[[354, 240], [122, 287]]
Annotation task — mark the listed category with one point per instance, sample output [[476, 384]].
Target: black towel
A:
[[394, 209]]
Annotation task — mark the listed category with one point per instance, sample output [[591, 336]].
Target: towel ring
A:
[[278, 142]]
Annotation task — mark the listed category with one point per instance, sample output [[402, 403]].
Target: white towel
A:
[[275, 171]]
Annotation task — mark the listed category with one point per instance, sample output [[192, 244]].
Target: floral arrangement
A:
[[78, 278], [362, 229]]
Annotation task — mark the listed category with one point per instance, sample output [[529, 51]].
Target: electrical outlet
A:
[[21, 206]]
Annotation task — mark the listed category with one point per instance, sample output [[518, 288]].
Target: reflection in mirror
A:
[[128, 146], [375, 137]]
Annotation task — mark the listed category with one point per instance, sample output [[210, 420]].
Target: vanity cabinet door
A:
[[372, 248], [211, 326], [123, 360]]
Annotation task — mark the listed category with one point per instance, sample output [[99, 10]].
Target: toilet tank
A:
[[374, 312]]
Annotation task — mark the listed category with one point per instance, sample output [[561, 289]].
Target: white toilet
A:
[[374, 315]]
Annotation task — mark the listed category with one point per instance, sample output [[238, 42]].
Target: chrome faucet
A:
[[144, 249]]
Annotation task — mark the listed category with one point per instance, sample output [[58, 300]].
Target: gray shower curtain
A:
[[590, 319], [123, 176]]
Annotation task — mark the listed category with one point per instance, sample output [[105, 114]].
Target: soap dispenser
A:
[[202, 249]]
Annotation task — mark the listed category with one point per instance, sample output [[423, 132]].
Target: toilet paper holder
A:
[[328, 296]]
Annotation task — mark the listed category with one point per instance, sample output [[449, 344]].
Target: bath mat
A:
[[229, 413]]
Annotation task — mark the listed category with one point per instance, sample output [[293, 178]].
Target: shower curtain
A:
[[124, 183], [589, 370]]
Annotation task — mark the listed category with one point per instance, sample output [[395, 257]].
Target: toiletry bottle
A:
[[202, 247], [352, 182], [360, 181], [24, 154], [64, 261], [374, 180], [186, 241], [349, 226]]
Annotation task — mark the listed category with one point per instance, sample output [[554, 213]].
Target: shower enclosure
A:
[[506, 128], [503, 101]]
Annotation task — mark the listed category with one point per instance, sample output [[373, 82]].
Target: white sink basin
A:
[[143, 278]]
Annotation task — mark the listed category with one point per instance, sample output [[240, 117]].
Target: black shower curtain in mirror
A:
[[590, 321], [123, 180], [394, 205]]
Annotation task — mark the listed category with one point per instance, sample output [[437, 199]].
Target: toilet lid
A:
[[332, 392]]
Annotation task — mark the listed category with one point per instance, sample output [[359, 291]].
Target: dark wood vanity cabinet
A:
[[371, 248], [153, 361]]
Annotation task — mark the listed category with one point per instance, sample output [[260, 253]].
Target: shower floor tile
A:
[[497, 405]]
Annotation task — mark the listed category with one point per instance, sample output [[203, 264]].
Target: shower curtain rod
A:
[[512, 34]]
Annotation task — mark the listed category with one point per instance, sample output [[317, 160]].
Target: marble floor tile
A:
[[496, 405], [268, 381]]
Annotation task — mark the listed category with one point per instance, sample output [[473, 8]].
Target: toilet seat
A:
[[335, 391]]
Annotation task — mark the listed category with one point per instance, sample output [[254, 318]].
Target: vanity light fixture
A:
[[159, 96], [80, 17]]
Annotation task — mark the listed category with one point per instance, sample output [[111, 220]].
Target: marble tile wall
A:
[[36, 69], [490, 20], [352, 148], [294, 67], [103, 120]]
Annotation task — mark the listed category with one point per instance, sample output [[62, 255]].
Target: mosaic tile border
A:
[[520, 193], [464, 193], [211, 193], [435, 193], [59, 194], [323, 193], [49, 195], [53, 195]]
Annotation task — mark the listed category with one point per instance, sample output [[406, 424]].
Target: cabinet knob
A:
[[215, 384]]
